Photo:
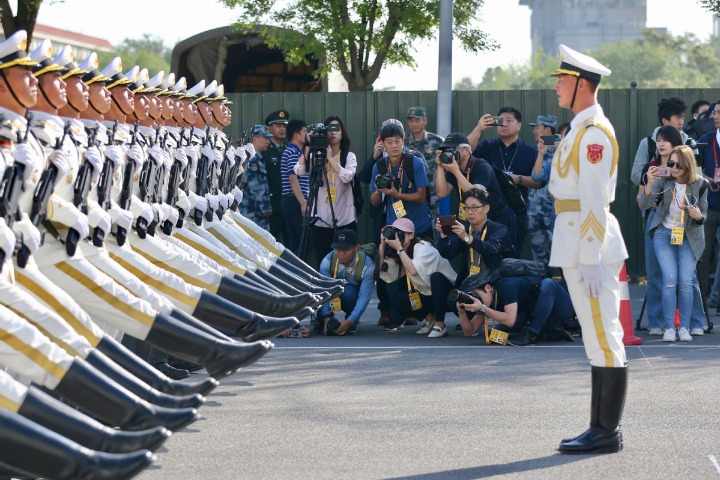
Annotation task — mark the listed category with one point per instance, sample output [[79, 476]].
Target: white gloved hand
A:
[[157, 154], [181, 157], [192, 155], [81, 225], [241, 153], [250, 148], [197, 201], [26, 155], [57, 158], [95, 159], [31, 236], [137, 155], [140, 209], [121, 218], [212, 201], [97, 217], [183, 202], [230, 154], [223, 200], [169, 213], [592, 276], [157, 210], [7, 239], [211, 154], [238, 194], [116, 154]]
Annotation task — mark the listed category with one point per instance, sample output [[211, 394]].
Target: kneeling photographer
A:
[[417, 278], [527, 308]]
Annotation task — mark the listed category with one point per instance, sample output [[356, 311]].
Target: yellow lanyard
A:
[[411, 286], [682, 212], [351, 271], [472, 250]]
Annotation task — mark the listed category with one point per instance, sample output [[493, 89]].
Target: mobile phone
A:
[[446, 223], [549, 140], [498, 121], [662, 172]]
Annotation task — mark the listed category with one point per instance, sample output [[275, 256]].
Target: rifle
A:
[[234, 180], [126, 194], [83, 183], [202, 173]]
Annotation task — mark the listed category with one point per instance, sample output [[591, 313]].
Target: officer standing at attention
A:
[[424, 143], [588, 245], [277, 124]]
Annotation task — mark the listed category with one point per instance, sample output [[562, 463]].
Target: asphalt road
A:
[[399, 405]]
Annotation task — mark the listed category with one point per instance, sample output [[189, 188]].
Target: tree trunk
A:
[[24, 20]]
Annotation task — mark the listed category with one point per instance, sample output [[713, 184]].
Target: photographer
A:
[[339, 170], [417, 278], [459, 171], [400, 182]]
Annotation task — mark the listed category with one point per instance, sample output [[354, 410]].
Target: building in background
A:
[[82, 45], [584, 24]]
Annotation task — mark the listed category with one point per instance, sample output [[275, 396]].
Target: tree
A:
[[148, 52], [25, 19], [530, 75], [356, 37], [711, 5], [465, 84]]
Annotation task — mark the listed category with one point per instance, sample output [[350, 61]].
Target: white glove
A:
[[212, 201], [169, 213], [57, 158], [157, 209], [238, 194], [224, 201], [137, 155], [197, 201], [181, 156], [140, 209], [592, 276], [250, 148], [97, 217], [116, 154], [230, 154], [241, 153], [157, 154], [7, 239], [81, 225], [121, 218], [192, 156], [94, 158], [26, 155], [30, 234], [183, 201]]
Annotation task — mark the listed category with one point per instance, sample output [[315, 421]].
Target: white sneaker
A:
[[438, 331], [669, 335], [684, 335], [655, 331], [697, 332], [425, 329]]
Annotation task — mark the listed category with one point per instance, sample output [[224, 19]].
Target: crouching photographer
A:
[[527, 308], [417, 278]]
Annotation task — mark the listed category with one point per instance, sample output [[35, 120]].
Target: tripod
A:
[[318, 178]]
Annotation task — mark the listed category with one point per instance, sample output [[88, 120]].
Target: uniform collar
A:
[[590, 112], [18, 121]]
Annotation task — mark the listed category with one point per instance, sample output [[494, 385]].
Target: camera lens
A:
[[446, 157], [389, 233], [383, 182], [458, 296]]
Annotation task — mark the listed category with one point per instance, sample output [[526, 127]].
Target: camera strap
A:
[[475, 267]]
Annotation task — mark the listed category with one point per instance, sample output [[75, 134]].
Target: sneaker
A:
[[684, 335], [411, 321], [425, 329], [393, 328], [525, 338], [697, 332], [655, 331], [384, 319], [669, 335], [438, 331]]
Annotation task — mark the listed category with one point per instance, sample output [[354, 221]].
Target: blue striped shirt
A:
[[290, 157]]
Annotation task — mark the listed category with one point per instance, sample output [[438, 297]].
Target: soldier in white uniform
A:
[[588, 245]]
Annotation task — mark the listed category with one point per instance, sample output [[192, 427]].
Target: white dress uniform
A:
[[12, 393]]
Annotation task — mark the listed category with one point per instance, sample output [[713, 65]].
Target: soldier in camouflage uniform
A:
[[540, 208], [425, 143], [276, 123], [256, 204]]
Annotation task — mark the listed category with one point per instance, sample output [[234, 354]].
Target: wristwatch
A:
[[467, 239], [482, 309], [519, 179], [400, 251]]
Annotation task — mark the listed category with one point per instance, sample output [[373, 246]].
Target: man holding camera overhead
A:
[[400, 181]]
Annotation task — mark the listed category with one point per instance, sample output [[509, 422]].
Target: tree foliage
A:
[[148, 52], [533, 74], [711, 5], [25, 19], [356, 37]]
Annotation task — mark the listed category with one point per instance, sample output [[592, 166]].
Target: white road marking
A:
[[714, 462]]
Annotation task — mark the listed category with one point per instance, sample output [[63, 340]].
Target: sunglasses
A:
[[677, 165]]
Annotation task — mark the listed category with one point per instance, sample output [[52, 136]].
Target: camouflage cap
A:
[[260, 131], [417, 112], [547, 120]]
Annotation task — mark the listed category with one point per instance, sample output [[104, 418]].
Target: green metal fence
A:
[[633, 112]]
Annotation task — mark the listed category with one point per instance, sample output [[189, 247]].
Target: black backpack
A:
[[517, 267], [510, 191], [358, 199], [408, 157]]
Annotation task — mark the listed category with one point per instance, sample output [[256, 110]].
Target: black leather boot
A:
[[221, 358], [258, 279], [44, 410], [38, 451], [171, 372], [245, 280], [609, 386], [133, 364], [290, 257], [262, 302], [303, 284], [124, 378], [92, 391], [320, 281], [286, 288], [227, 316]]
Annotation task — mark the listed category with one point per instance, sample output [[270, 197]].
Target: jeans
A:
[[678, 265], [348, 299], [552, 308], [653, 292]]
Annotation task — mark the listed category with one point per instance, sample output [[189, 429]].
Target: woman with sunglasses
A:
[[678, 234]]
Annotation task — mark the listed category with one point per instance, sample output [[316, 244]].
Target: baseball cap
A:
[[345, 238], [547, 120], [404, 225], [454, 139], [472, 282]]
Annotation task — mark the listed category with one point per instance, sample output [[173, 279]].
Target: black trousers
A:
[[436, 303]]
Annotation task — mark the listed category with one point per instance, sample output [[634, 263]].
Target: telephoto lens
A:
[[458, 296]]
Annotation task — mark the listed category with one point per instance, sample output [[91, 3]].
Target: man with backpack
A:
[[355, 264]]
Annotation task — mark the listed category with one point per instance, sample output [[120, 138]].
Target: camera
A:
[[498, 121], [391, 233], [447, 155], [318, 140], [383, 182], [459, 296], [332, 325]]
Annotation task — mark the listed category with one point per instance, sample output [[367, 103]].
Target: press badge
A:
[[462, 213], [331, 196], [474, 269], [676, 235], [399, 209], [335, 305], [717, 174], [499, 337], [415, 301]]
